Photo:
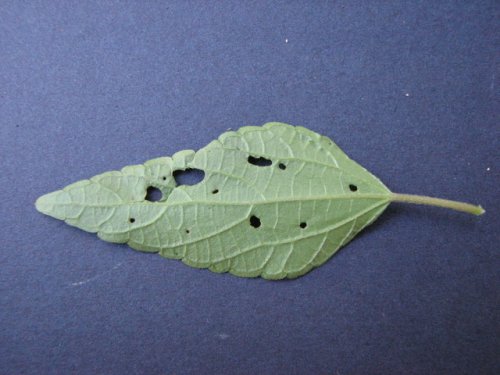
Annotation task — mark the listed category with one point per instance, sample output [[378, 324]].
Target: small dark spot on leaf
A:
[[260, 161], [254, 221], [187, 231], [190, 176], [303, 225], [282, 166], [353, 187], [164, 178], [153, 194], [132, 220], [215, 191]]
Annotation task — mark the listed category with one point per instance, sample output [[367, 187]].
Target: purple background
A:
[[408, 89]]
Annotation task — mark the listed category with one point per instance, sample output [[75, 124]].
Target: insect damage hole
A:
[[190, 176], [282, 166], [131, 220], [215, 191], [254, 221], [353, 187], [260, 161], [303, 225], [153, 194]]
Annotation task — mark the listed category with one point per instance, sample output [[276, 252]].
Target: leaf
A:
[[275, 201]]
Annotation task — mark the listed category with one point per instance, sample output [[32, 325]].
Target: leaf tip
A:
[[45, 204], [41, 204]]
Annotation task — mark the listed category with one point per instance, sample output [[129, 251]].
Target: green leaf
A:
[[275, 201]]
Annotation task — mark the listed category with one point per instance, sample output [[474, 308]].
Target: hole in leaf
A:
[[164, 178], [190, 176], [353, 187], [215, 191], [132, 220], [260, 161], [187, 231], [153, 194], [254, 221], [282, 166], [303, 225]]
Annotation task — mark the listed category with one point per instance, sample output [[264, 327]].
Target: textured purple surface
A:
[[409, 90]]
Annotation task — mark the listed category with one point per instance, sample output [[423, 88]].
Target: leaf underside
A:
[[275, 201]]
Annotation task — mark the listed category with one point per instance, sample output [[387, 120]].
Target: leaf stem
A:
[[421, 199]]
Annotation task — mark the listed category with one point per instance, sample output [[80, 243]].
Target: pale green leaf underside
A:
[[306, 207]]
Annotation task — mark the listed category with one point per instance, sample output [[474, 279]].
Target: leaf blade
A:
[[304, 201]]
